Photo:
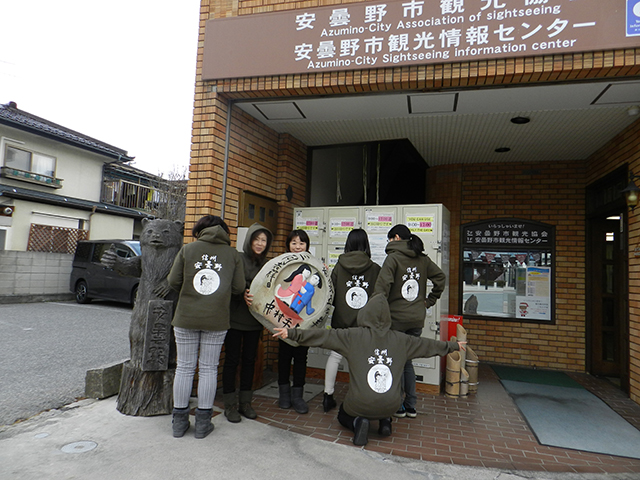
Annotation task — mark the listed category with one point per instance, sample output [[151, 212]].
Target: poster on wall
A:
[[533, 308], [420, 225], [309, 225], [536, 304], [377, 244], [377, 222], [340, 227]]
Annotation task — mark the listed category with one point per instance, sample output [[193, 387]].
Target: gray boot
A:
[[245, 407], [180, 421], [231, 407], [299, 405], [203, 423], [284, 401]]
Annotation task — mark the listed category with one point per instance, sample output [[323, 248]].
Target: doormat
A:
[[573, 418], [272, 390], [530, 375]]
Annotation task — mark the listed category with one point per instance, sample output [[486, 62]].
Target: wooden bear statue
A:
[[143, 392]]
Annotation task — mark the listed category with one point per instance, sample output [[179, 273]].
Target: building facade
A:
[[522, 110]]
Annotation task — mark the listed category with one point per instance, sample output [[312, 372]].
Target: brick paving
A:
[[485, 430]]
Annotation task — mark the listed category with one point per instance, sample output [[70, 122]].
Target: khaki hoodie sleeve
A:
[[386, 277], [419, 347], [333, 339], [239, 283], [438, 278]]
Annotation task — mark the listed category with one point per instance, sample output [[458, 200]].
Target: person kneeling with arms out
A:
[[376, 356]]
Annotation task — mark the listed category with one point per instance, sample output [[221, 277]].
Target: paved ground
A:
[[47, 349], [92, 440]]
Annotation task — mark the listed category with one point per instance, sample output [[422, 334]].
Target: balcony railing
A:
[[31, 177]]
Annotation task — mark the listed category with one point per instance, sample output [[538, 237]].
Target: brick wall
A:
[[625, 148], [549, 192], [546, 192], [260, 161]]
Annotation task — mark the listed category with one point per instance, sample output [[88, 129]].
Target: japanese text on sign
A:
[[372, 35], [505, 233]]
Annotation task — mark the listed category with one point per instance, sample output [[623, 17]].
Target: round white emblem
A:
[[380, 378], [206, 281], [410, 290], [356, 297]]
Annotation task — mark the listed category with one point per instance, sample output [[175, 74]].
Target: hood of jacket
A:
[[375, 315], [246, 247], [215, 234], [400, 246], [355, 262]]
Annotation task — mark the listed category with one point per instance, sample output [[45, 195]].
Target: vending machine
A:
[[328, 228]]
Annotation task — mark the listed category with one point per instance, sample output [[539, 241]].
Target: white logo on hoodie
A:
[[380, 377], [207, 280]]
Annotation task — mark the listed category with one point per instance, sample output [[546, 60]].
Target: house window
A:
[[30, 161], [507, 270]]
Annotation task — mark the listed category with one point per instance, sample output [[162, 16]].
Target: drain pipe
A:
[[227, 138]]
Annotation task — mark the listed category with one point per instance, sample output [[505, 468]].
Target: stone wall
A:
[[34, 276]]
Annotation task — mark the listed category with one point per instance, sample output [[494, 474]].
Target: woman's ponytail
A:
[[404, 233], [416, 245]]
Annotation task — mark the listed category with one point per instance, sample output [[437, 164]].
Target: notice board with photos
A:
[[507, 270]]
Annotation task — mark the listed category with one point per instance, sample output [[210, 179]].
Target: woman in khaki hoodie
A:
[[403, 281], [241, 342], [353, 278], [206, 273], [376, 356]]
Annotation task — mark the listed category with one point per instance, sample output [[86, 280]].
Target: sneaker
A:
[[401, 413], [411, 412]]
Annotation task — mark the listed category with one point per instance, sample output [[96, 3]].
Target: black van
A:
[[91, 280]]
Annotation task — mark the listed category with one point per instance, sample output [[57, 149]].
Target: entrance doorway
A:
[[607, 290], [388, 172]]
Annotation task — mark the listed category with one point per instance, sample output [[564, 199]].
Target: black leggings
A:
[[287, 353], [347, 420], [241, 348]]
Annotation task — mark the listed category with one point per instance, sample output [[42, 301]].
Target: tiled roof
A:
[[10, 115], [70, 202]]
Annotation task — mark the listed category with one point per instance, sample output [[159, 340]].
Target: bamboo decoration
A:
[[452, 387], [464, 383], [461, 334], [472, 367]]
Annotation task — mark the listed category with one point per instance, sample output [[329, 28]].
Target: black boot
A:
[[360, 431], [328, 403], [385, 427], [299, 405], [180, 421], [245, 407], [231, 407], [203, 423], [284, 401]]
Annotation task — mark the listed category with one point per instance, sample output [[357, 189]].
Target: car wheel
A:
[[134, 295], [81, 292]]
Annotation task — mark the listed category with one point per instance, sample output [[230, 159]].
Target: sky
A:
[[122, 71]]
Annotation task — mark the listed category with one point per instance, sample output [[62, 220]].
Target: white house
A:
[[51, 182], [51, 196]]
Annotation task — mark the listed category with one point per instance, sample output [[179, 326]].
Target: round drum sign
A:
[[293, 290]]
